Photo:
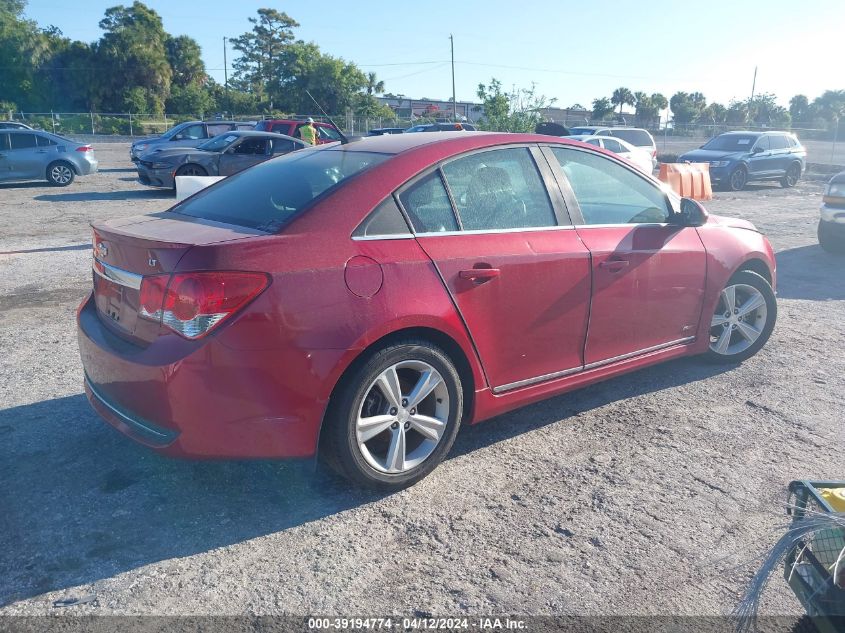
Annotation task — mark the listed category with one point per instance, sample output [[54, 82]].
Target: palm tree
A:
[[622, 97], [374, 86]]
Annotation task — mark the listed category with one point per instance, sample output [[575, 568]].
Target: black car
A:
[[381, 131], [223, 155]]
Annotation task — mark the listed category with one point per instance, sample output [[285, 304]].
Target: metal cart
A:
[[811, 562]]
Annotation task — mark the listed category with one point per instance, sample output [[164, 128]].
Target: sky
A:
[[573, 51]]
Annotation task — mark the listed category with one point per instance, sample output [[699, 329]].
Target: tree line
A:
[[692, 108], [137, 66]]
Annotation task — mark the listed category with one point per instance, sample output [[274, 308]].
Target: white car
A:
[[638, 156]]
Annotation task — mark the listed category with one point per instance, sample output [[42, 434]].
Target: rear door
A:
[[760, 160], [648, 274], [24, 157], [781, 154], [517, 271]]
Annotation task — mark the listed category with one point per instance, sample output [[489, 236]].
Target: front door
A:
[[648, 274], [515, 268], [250, 151]]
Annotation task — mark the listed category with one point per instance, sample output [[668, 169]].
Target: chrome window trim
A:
[[387, 236], [601, 363], [630, 224], [527, 229], [117, 275]]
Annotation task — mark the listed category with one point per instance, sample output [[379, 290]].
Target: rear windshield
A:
[[638, 138], [731, 143], [269, 195]]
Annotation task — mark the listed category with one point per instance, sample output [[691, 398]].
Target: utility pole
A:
[[454, 101], [226, 78]]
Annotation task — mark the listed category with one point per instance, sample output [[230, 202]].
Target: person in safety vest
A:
[[308, 132]]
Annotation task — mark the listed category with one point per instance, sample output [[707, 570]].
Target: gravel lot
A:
[[641, 495]]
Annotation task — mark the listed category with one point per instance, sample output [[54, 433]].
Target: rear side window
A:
[[609, 193], [386, 219], [778, 142], [639, 138], [219, 128], [283, 146], [22, 141], [261, 126], [499, 189], [43, 141], [269, 195], [614, 146], [427, 205]]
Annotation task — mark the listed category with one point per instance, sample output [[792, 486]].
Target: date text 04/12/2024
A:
[[416, 623]]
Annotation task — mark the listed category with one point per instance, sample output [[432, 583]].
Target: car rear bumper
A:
[[196, 399], [87, 166], [155, 177]]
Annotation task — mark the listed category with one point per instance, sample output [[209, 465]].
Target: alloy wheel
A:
[[61, 174], [402, 417], [738, 178], [739, 320], [792, 176]]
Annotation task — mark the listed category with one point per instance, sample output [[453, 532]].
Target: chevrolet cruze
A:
[[366, 299]]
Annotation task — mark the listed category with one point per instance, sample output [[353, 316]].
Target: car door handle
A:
[[479, 274], [614, 265]]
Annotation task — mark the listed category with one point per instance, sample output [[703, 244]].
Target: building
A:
[[433, 108]]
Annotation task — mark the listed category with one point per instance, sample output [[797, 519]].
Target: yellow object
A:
[[308, 133], [835, 497]]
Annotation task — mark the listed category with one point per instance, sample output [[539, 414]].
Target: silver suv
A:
[[35, 155]]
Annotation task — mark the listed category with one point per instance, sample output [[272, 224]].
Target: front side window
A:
[[4, 141], [283, 146], [427, 205], [252, 146], [762, 144], [269, 195], [609, 193], [218, 143], [23, 141], [638, 138], [499, 189], [327, 133], [192, 132]]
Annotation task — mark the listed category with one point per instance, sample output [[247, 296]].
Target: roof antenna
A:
[[343, 139]]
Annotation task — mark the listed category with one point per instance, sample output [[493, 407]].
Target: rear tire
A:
[[60, 173], [743, 319], [374, 433], [792, 176], [828, 242]]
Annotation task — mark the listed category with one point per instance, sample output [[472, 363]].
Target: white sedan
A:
[[638, 156]]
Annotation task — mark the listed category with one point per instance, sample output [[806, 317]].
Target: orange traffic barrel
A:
[[690, 180]]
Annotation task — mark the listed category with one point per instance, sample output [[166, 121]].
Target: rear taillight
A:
[[84, 148], [192, 304]]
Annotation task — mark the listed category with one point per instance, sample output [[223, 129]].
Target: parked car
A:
[[832, 221], [380, 131], [737, 158], [222, 155], [326, 132], [638, 156], [36, 155], [441, 127], [636, 136], [371, 297], [187, 134], [14, 125]]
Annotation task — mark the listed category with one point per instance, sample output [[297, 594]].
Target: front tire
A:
[[395, 416], [190, 170], [830, 243], [738, 179], [743, 320], [793, 174], [60, 173]]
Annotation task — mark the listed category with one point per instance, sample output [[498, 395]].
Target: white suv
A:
[[636, 136]]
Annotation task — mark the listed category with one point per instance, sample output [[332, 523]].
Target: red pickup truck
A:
[[326, 132]]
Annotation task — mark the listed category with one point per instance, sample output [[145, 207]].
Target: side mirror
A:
[[692, 213]]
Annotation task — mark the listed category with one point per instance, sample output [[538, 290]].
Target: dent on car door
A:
[[515, 268], [648, 273]]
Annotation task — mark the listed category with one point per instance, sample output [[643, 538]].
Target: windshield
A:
[[218, 143], [731, 143], [269, 195]]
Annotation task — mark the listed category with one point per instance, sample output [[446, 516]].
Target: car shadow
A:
[[89, 196], [34, 184], [808, 272], [110, 170], [82, 503]]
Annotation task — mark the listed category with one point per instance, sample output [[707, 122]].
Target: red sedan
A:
[[369, 298]]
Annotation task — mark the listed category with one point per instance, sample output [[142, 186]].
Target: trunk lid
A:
[[128, 249]]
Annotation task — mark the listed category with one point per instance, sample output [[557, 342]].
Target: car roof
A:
[[294, 121], [742, 133], [257, 133]]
